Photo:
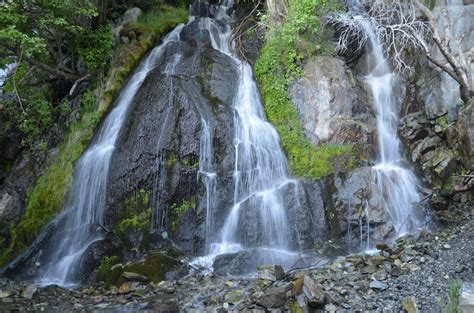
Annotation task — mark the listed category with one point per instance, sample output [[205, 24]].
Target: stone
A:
[[409, 304], [233, 297], [378, 285], [271, 272], [313, 292], [332, 105], [466, 298], [29, 292], [125, 287], [5, 293], [131, 15], [273, 297], [382, 246], [134, 277]]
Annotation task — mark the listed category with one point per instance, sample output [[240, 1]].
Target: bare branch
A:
[[395, 24]]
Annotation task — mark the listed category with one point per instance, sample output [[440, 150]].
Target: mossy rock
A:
[[154, 267]]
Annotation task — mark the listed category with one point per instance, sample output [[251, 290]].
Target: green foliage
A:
[[137, 221], [104, 269], [453, 300], [443, 121], [161, 19], [430, 3], [178, 210], [183, 207], [278, 65], [43, 30], [95, 48]]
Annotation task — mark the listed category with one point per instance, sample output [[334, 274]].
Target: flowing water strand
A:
[[395, 188], [260, 171], [86, 205]]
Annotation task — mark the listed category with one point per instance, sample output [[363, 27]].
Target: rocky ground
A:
[[412, 272]]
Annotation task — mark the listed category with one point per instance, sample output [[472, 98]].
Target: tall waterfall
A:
[[85, 210], [260, 169], [395, 188]]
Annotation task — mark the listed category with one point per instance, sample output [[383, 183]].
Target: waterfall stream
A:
[[85, 210], [395, 188], [260, 169]]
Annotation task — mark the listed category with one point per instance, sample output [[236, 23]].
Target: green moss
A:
[[161, 19], [279, 63], [171, 159], [45, 200], [154, 267], [139, 221], [178, 210], [104, 272]]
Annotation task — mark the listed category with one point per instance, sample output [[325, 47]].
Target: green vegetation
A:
[[154, 267], [45, 200], [160, 19], [453, 300], [179, 210], [286, 47], [104, 272]]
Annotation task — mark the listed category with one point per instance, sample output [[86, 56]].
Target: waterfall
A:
[[85, 209], [260, 170], [395, 188]]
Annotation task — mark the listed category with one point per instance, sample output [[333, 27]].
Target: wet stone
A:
[[273, 297], [378, 285], [29, 292], [271, 272]]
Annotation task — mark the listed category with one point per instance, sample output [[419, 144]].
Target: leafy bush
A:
[[95, 48]]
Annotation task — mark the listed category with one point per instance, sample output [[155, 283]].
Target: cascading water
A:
[[87, 196], [395, 188], [261, 169]]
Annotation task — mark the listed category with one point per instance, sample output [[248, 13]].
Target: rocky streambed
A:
[[415, 272]]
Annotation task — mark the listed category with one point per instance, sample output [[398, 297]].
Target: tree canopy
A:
[[54, 36]]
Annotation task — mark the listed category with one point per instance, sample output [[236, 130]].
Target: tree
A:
[[50, 36], [396, 25]]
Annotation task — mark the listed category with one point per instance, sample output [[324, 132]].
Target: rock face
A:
[[333, 106], [160, 146]]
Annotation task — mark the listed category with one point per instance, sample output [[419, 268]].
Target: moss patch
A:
[[47, 197], [279, 63], [154, 267]]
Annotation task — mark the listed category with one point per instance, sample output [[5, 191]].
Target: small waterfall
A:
[[395, 188], [157, 220], [260, 172], [86, 205]]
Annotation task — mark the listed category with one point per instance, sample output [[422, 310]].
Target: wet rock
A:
[[271, 272], [234, 263], [134, 277], [465, 127], [378, 285], [273, 297], [29, 292], [5, 293], [313, 292], [466, 298], [328, 93]]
